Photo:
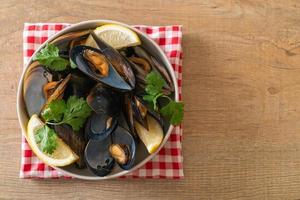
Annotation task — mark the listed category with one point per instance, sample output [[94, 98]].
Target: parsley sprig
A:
[[173, 111], [73, 112], [46, 139], [49, 56]]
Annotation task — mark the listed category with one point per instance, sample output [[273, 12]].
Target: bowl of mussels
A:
[[98, 100]]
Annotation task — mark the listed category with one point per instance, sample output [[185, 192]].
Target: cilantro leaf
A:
[[46, 139], [54, 111], [73, 113], [76, 112], [72, 64], [173, 111], [154, 82], [49, 56]]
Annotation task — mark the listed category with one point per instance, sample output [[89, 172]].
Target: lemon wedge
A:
[[115, 35], [151, 137], [62, 155]]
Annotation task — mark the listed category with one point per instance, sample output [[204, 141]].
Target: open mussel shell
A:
[[102, 99], [112, 79], [34, 80], [119, 62], [75, 140], [99, 126], [98, 158], [135, 109], [123, 148], [69, 40], [58, 91], [79, 85], [155, 65]]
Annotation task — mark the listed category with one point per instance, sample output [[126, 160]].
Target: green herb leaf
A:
[[49, 56], [76, 112], [173, 111], [72, 64], [46, 139], [154, 82], [54, 111]]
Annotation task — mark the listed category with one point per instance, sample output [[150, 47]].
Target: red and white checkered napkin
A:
[[168, 162]]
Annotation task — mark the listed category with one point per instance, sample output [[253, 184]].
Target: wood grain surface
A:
[[241, 91]]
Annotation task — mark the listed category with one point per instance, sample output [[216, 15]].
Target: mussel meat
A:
[[58, 91], [123, 148]]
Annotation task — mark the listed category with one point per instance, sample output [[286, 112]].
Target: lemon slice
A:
[[152, 137], [115, 35], [62, 156]]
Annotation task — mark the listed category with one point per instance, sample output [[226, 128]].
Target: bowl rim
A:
[[70, 29]]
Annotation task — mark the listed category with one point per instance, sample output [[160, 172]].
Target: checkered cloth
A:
[[168, 162]]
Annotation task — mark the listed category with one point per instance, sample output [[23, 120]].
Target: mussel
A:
[[99, 126], [119, 147], [102, 99], [79, 85], [134, 109], [141, 54], [75, 140], [58, 91], [92, 63], [69, 40], [34, 80], [106, 106], [116, 59], [98, 158], [123, 148]]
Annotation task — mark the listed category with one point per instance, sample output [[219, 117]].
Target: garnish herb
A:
[[46, 137], [49, 56], [73, 112], [173, 111]]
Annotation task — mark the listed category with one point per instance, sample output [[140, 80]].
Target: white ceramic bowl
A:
[[152, 47]]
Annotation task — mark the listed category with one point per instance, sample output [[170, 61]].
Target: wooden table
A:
[[241, 93]]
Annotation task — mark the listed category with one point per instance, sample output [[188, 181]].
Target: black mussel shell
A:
[[116, 59], [102, 99], [113, 79], [156, 65], [136, 109], [66, 41], [98, 158], [75, 140], [140, 110], [34, 80], [122, 137], [128, 112], [99, 126], [79, 85]]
